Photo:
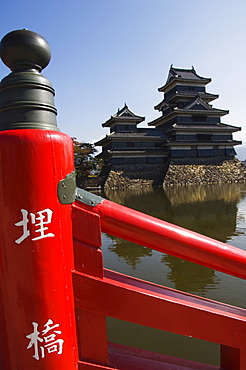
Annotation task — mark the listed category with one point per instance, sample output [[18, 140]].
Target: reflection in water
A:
[[208, 209], [125, 195], [125, 250], [202, 193], [152, 201], [217, 211], [189, 277]]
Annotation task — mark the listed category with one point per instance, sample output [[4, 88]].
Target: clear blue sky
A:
[[108, 52]]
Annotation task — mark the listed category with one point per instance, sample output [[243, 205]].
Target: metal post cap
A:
[[24, 49], [26, 96]]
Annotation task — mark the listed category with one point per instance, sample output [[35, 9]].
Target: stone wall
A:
[[182, 171], [135, 175], [227, 171], [89, 182]]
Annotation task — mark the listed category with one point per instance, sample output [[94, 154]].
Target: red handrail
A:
[[100, 293], [165, 237]]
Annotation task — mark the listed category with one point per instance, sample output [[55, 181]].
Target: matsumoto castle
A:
[[188, 130]]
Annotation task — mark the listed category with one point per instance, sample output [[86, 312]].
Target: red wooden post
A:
[[36, 299], [232, 358], [91, 327]]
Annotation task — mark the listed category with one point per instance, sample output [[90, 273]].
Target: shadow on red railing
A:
[[100, 293]]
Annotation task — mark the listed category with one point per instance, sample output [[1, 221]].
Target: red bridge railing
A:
[[55, 294], [100, 293]]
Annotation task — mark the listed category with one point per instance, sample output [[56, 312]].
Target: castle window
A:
[[204, 137], [181, 104], [199, 118]]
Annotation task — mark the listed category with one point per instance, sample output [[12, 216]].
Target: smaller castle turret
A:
[[128, 144]]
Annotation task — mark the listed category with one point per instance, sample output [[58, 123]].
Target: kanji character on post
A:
[[48, 338], [40, 220]]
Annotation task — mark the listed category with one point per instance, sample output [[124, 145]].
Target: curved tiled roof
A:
[[184, 75], [188, 74], [203, 127], [147, 134], [125, 115]]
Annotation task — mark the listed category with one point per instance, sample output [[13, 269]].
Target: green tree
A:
[[84, 160]]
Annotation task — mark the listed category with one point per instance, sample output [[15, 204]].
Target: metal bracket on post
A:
[[87, 197], [67, 189]]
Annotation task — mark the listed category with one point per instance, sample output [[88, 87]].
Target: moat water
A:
[[218, 211]]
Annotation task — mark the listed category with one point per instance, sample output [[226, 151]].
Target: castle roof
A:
[[179, 95], [143, 134], [205, 127], [177, 75], [123, 115], [188, 74], [196, 107], [199, 103], [131, 153]]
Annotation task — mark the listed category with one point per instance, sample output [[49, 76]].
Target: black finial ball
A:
[[24, 49]]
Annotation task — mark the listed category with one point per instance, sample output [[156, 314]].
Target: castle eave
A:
[[190, 112], [204, 143], [208, 128], [205, 96], [178, 80], [130, 153], [121, 120]]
